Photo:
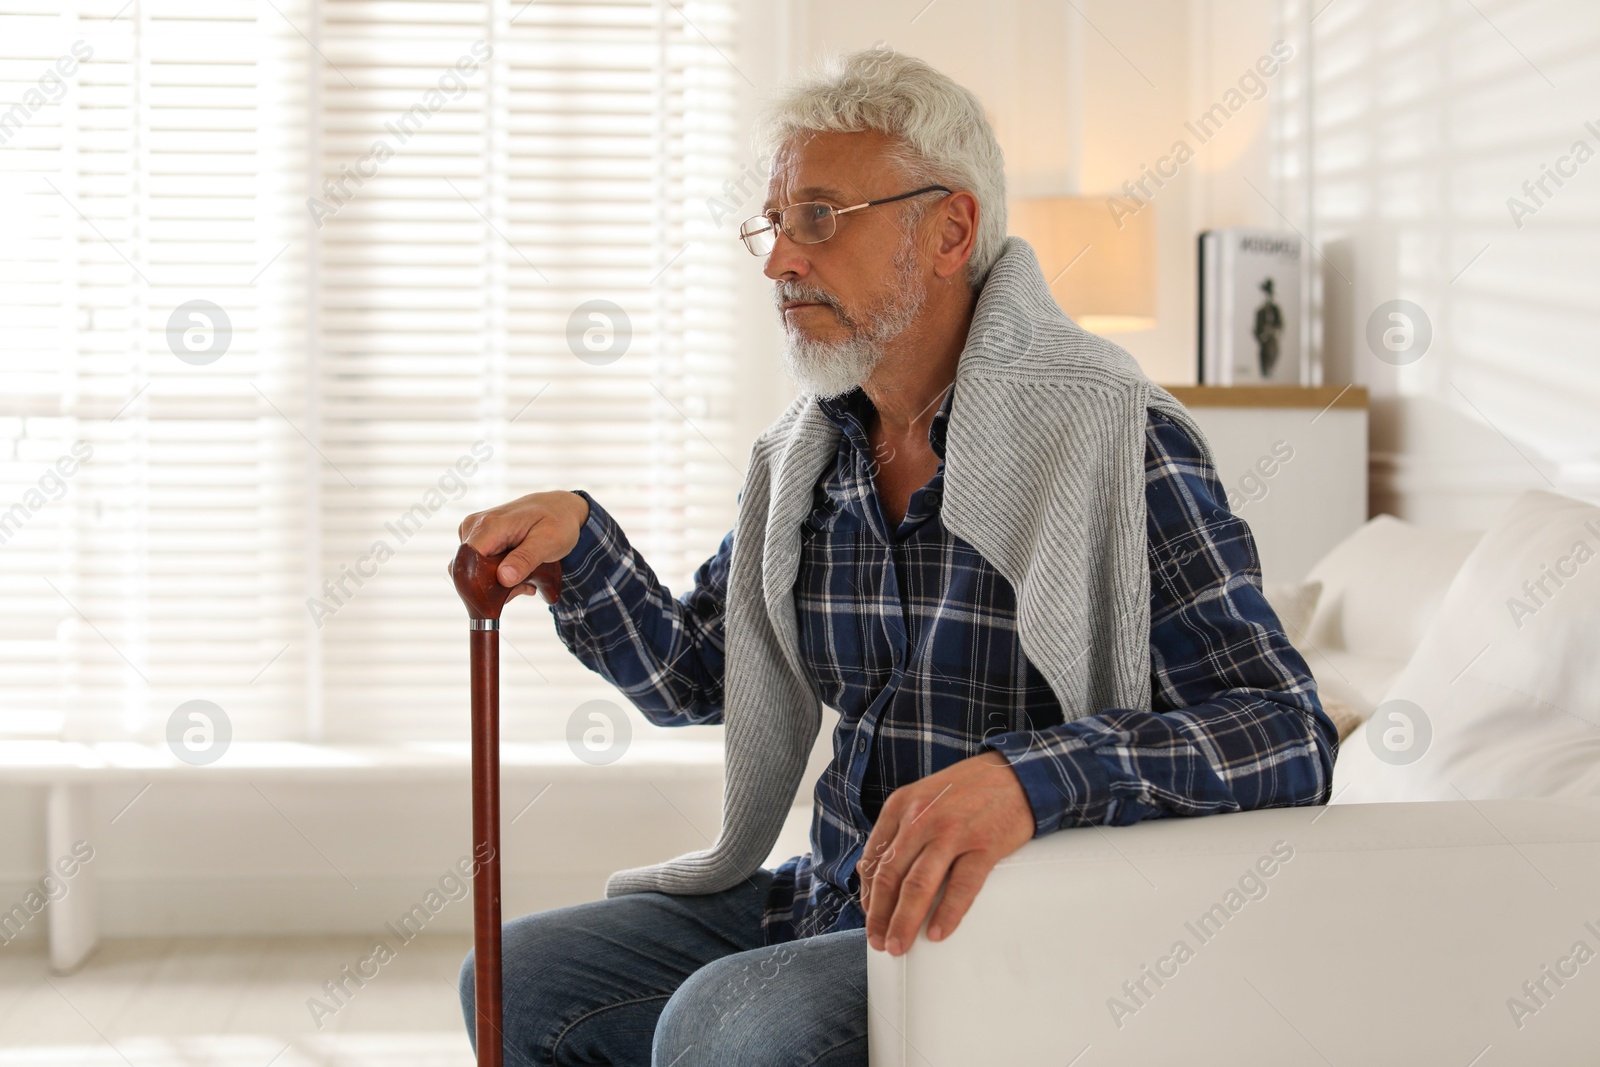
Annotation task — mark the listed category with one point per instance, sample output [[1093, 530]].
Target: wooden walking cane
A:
[[480, 589]]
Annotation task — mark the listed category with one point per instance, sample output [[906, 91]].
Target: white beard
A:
[[833, 368], [829, 369]]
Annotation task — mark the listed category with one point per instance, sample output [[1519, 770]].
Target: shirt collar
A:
[[852, 412]]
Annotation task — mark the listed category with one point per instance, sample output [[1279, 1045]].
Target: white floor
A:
[[233, 1002]]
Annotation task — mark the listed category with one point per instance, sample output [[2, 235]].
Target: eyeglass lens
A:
[[807, 224]]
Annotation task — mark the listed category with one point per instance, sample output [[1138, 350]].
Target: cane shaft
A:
[[486, 845], [480, 590]]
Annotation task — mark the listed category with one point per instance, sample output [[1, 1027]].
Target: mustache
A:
[[785, 291]]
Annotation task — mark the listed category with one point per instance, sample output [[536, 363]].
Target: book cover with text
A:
[[1250, 308]]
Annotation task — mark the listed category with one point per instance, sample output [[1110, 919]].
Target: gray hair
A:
[[939, 129]]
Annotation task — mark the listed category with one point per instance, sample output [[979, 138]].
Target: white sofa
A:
[[1445, 909]]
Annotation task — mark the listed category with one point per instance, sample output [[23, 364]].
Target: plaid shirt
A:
[[911, 636]]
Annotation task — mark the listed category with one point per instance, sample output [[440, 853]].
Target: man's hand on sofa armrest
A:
[[959, 822]]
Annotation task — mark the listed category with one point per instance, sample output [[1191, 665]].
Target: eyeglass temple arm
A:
[[774, 217], [771, 222], [892, 199]]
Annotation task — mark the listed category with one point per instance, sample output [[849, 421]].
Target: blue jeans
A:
[[677, 981]]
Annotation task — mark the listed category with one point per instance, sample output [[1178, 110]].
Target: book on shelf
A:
[[1251, 308]]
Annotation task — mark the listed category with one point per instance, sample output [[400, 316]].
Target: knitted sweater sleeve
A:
[[664, 653], [1235, 721]]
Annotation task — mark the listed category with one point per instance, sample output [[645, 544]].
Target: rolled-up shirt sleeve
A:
[[1235, 720], [664, 654]]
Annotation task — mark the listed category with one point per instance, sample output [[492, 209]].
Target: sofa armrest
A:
[[1370, 934]]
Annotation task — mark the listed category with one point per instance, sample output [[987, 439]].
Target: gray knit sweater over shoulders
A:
[[1044, 476]]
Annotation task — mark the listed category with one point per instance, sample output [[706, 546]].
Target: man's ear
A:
[[956, 231]]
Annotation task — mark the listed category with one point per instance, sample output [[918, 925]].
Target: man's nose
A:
[[786, 260]]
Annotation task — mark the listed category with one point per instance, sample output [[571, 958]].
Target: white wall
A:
[[764, 58], [1419, 122]]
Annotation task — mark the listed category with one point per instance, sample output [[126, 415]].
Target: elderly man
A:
[[980, 534]]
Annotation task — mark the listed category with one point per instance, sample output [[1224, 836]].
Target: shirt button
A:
[[861, 744]]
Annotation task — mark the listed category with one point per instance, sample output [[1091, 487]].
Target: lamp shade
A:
[[1103, 277]]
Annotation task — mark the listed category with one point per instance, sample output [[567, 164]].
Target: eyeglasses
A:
[[808, 223]]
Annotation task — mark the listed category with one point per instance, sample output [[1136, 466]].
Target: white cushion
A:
[[1382, 585], [1507, 677], [1356, 681], [1294, 603]]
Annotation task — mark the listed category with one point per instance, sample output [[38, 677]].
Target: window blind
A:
[[1422, 145], [310, 282]]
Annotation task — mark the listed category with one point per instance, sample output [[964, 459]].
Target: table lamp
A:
[[1101, 270]]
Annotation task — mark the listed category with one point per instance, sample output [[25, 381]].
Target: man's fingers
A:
[[531, 548], [873, 857], [531, 531], [886, 881], [519, 563], [865, 868], [967, 876], [916, 895], [489, 538], [492, 532], [879, 848]]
